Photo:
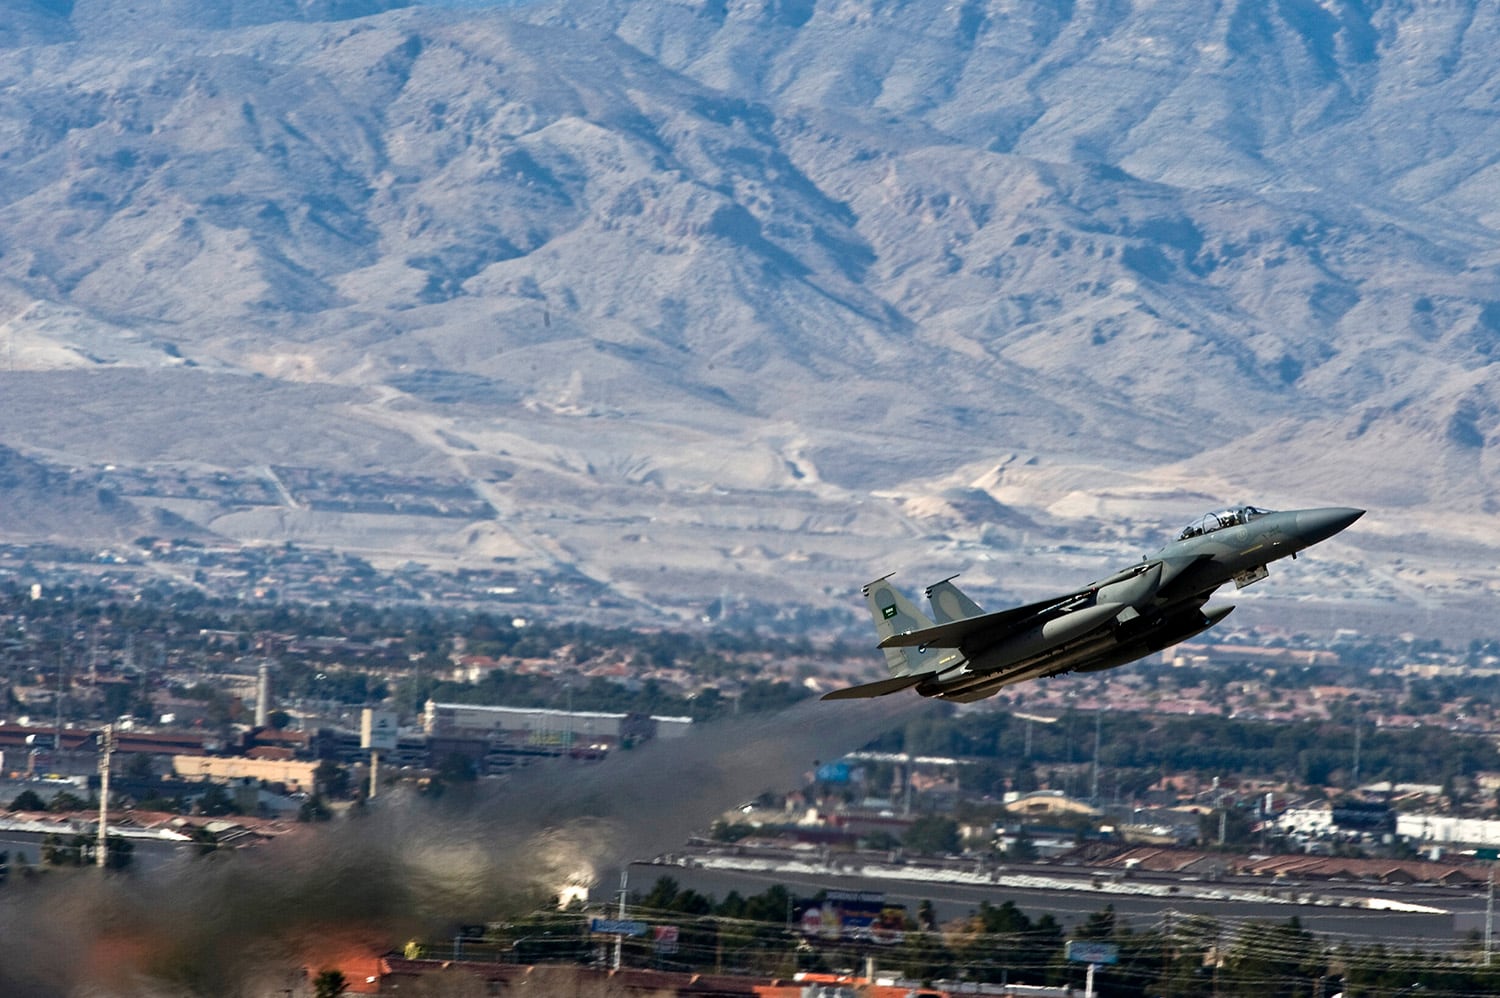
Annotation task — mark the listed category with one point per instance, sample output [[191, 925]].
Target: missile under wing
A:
[[962, 653]]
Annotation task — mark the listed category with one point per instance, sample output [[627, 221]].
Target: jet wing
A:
[[879, 689], [955, 632]]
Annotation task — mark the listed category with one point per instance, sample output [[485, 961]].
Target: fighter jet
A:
[[963, 654]]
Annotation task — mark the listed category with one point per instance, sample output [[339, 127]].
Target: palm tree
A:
[[329, 984]]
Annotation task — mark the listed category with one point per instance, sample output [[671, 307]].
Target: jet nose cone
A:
[[1314, 525]]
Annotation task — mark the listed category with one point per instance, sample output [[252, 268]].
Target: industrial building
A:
[[295, 775], [544, 728]]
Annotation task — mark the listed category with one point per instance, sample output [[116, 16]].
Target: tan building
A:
[[1048, 804], [296, 775]]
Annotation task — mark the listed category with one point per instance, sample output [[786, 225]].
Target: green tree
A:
[[329, 984], [458, 768], [28, 800], [65, 801], [925, 956], [138, 766], [1022, 848], [204, 841], [57, 851], [119, 853], [667, 896], [216, 802], [772, 905], [1099, 925], [1185, 969], [932, 834], [723, 831], [1002, 943], [1267, 960], [314, 809], [332, 779], [171, 805]]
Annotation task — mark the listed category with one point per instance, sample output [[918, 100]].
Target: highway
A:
[[1409, 916]]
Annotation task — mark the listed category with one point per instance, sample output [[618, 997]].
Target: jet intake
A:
[[1133, 589]]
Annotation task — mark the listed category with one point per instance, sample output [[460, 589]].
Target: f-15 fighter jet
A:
[[962, 653]]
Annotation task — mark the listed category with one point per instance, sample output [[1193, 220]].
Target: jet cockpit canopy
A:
[[1209, 522]]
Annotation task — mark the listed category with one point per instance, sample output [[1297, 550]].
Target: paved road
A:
[[1461, 910], [147, 856]]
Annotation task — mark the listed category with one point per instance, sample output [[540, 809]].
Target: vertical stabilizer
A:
[[949, 602], [893, 613]]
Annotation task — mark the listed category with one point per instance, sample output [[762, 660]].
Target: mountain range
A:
[[759, 298]]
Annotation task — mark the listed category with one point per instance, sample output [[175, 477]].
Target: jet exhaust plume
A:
[[240, 924]]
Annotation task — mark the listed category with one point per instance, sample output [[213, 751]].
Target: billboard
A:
[[1080, 951], [618, 927], [377, 730], [852, 916], [666, 937], [833, 772], [1364, 816]]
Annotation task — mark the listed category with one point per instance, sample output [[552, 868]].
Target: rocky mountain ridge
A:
[[765, 297]]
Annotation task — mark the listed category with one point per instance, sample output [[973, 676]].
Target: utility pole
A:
[[1358, 728], [106, 749], [906, 772], [94, 656], [62, 668], [1489, 918], [1094, 788], [620, 936], [1219, 806]]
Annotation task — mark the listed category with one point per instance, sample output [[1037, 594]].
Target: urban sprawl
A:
[[1281, 764]]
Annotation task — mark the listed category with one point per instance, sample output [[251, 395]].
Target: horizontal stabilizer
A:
[[955, 632], [879, 689]]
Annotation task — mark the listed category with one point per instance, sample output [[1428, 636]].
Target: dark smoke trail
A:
[[648, 801], [239, 925]]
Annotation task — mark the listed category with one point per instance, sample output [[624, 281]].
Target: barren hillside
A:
[[763, 298]]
